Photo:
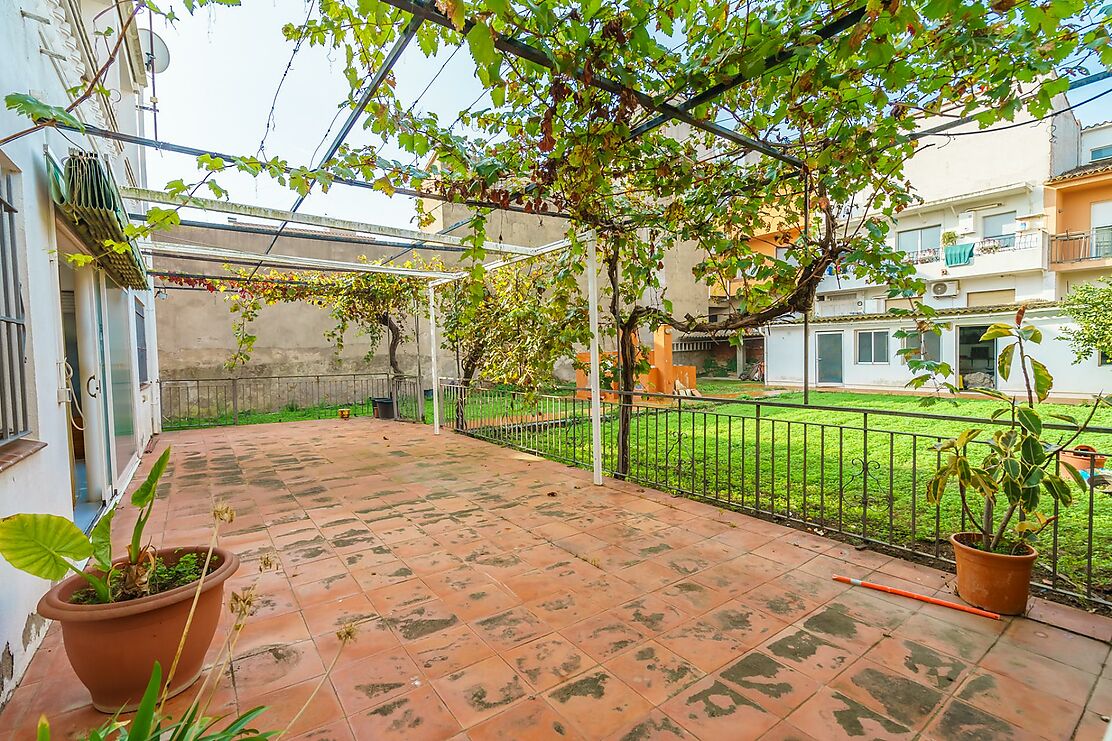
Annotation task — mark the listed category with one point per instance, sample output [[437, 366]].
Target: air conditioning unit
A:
[[944, 288]]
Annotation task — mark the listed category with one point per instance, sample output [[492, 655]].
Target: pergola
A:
[[426, 11]]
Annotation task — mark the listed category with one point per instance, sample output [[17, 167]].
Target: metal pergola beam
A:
[[327, 222], [531, 54], [165, 146], [240, 257]]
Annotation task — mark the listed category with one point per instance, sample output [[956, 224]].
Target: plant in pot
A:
[[162, 604], [1013, 470]]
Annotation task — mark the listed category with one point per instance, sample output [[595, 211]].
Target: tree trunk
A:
[[470, 366], [627, 365], [395, 337]]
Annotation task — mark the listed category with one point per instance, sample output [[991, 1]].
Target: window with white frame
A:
[[872, 346], [915, 241], [1100, 153], [14, 416], [928, 346]]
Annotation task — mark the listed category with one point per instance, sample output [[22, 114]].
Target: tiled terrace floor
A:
[[501, 596]]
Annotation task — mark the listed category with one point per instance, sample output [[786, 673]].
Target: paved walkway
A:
[[499, 596]]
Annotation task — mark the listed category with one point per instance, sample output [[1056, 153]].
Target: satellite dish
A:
[[155, 51]]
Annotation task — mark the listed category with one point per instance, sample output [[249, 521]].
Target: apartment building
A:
[[1008, 217], [77, 402]]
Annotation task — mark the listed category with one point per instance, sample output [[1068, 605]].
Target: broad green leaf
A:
[[42, 545], [42, 731], [101, 539], [145, 494], [1004, 361], [1029, 419], [998, 330], [1043, 380], [37, 111], [480, 41]]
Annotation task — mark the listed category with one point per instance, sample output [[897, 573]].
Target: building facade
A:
[[993, 231], [77, 404]]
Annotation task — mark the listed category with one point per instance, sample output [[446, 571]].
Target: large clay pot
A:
[[1079, 460], [992, 581], [113, 647]]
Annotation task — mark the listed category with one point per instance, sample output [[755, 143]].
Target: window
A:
[[872, 346], [14, 419], [914, 241], [1104, 358], [1002, 297], [928, 344], [1100, 153], [141, 340], [999, 225]]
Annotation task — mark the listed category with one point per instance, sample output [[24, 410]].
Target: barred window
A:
[[14, 418], [141, 340]]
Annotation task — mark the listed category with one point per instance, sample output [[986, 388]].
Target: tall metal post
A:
[[435, 369], [596, 394], [806, 358]]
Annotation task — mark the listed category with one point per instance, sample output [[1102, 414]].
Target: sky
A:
[[227, 63]]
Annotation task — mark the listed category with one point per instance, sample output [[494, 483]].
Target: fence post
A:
[[394, 383], [757, 459], [864, 475], [434, 370], [235, 401]]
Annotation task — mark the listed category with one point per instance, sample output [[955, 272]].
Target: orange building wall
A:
[[1074, 202]]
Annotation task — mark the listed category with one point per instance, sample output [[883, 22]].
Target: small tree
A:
[[1016, 464], [1090, 305]]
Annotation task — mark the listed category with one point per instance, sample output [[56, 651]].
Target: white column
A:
[[89, 378], [435, 370], [596, 394]]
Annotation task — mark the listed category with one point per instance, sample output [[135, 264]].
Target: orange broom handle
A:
[[913, 595]]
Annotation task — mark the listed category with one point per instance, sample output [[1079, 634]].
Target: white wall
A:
[[41, 482], [784, 366], [1093, 137]]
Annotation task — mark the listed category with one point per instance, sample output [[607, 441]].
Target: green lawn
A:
[[799, 460]]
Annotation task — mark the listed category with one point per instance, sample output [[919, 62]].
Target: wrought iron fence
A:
[[211, 402], [860, 473]]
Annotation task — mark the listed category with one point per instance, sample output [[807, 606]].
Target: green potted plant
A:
[[163, 604], [949, 238], [1013, 471]]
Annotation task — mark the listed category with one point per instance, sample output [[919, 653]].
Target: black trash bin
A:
[[383, 406]]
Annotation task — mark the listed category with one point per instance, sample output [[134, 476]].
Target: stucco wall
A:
[[785, 365]]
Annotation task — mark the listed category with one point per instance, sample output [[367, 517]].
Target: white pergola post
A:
[[596, 394], [433, 346]]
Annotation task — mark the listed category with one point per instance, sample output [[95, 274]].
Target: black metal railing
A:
[[859, 473], [1076, 247], [211, 402]]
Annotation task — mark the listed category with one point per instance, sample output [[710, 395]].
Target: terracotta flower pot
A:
[[113, 647], [1080, 461], [992, 581]]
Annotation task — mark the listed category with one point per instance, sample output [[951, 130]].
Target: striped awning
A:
[[86, 192]]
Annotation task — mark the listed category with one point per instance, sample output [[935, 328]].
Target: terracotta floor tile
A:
[[547, 661], [326, 590], [511, 628], [613, 558], [835, 624], [1061, 645], [945, 637], [1015, 702], [384, 574], [653, 671], [328, 617], [649, 575], [739, 575], [808, 653], [419, 715], [399, 596], [959, 720], [651, 613], [425, 619], [831, 715], [597, 703], [785, 731], [371, 637], [530, 720], [284, 704], [711, 709], [374, 680], [604, 636], [336, 731], [431, 563], [893, 695], [1058, 679], [1092, 727], [455, 581], [448, 650], [656, 726], [770, 683], [480, 691], [276, 667], [921, 663], [779, 600], [692, 597], [564, 608]]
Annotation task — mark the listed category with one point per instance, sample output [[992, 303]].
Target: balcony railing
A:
[[1078, 246]]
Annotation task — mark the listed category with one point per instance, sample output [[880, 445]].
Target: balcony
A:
[[1082, 250]]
